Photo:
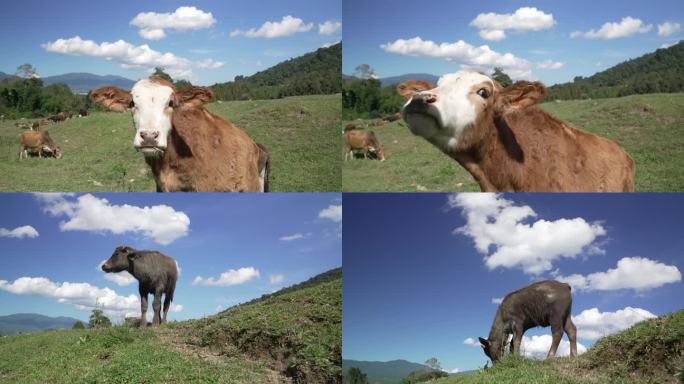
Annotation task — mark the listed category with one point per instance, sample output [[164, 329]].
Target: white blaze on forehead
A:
[[151, 100]]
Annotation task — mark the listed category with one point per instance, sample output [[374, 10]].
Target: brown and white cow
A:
[[40, 142], [507, 143], [365, 141], [187, 147]]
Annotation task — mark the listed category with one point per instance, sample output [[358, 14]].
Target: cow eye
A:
[[171, 103], [483, 93], [131, 104]]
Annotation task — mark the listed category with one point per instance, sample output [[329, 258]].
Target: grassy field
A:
[[649, 352], [649, 127], [291, 337], [300, 133]]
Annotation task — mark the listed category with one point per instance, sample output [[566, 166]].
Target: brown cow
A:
[[62, 116], [187, 147], [40, 142], [507, 143], [365, 141]]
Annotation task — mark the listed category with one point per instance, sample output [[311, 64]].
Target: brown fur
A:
[[516, 146], [37, 141], [362, 140]]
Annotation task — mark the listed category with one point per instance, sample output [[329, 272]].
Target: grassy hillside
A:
[[649, 352], [295, 337], [299, 132], [649, 127]]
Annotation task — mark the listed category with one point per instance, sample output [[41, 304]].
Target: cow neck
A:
[[496, 333]]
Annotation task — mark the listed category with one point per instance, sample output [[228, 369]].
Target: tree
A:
[[433, 363], [182, 84], [98, 319], [159, 72], [364, 71], [26, 71], [78, 325], [500, 76], [356, 376]]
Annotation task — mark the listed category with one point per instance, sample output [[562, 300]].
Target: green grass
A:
[[649, 127], [291, 337], [650, 352], [300, 133]]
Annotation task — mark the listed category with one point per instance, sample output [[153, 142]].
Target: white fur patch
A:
[[150, 115]]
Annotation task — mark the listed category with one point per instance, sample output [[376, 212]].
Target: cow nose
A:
[[424, 98], [149, 138]]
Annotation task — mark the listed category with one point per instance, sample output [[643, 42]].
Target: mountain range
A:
[[384, 372], [30, 322]]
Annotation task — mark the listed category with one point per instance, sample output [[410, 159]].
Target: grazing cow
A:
[[507, 143], [187, 147], [62, 116], [156, 274], [40, 142], [542, 304], [365, 141], [82, 112]]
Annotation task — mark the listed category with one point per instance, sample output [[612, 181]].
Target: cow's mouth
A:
[[151, 151]]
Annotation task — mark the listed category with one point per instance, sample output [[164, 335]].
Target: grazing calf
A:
[[365, 141], [508, 144], [187, 147], [40, 142], [540, 304], [156, 274]]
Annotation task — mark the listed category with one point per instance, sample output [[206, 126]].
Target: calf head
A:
[[54, 150], [152, 102], [120, 260], [452, 114], [492, 348]]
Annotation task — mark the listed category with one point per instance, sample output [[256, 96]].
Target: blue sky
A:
[[27, 25], [286, 238], [414, 288], [368, 25]]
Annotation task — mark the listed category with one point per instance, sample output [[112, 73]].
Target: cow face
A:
[[152, 102], [493, 349], [120, 259]]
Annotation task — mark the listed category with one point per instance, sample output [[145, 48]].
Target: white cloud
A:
[[329, 27], [472, 342], [667, 28], [127, 54], [19, 232], [333, 212], [328, 45], [161, 223], [497, 300], [549, 64], [152, 24], [230, 277], [492, 25], [593, 324], [537, 347], [460, 52], [637, 273], [627, 27], [176, 308], [81, 295], [455, 370], [288, 26], [493, 221], [275, 279], [667, 45], [296, 236], [210, 64]]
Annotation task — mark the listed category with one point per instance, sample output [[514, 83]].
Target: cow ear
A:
[[112, 98], [522, 94], [409, 88], [193, 97], [484, 342], [132, 255]]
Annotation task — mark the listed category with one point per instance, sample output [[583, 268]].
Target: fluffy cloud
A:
[[627, 27], [667, 28], [296, 236], [230, 277], [152, 24], [637, 273], [288, 26], [328, 45], [161, 223], [333, 212], [176, 308], [275, 279], [493, 221], [462, 53], [497, 300], [536, 347], [81, 295], [593, 324], [493, 25], [130, 56], [19, 232], [472, 342], [329, 27], [549, 64]]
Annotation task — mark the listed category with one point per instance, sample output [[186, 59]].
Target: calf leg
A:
[[571, 331], [557, 335], [156, 306], [143, 308], [167, 304], [517, 340]]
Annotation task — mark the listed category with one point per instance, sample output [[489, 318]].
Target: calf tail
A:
[[264, 165]]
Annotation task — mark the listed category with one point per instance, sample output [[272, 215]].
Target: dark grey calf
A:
[[156, 273], [538, 305]]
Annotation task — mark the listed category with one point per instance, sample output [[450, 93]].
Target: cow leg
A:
[[557, 335], [571, 331], [156, 306], [167, 304], [143, 308]]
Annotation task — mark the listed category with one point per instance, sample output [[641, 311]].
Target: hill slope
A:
[[314, 73], [659, 71], [84, 82], [385, 81], [384, 372], [30, 322], [294, 337]]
